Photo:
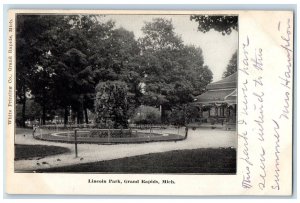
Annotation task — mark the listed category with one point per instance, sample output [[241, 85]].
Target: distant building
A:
[[218, 105]]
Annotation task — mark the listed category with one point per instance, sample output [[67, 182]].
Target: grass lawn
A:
[[33, 151], [221, 160], [24, 130]]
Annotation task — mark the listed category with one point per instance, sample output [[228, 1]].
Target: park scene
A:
[[126, 93]]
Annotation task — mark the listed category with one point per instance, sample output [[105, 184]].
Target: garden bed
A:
[[87, 136]]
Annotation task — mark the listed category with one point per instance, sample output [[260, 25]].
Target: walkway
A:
[[200, 138]]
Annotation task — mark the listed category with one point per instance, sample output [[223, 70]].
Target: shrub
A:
[[183, 114], [177, 117], [111, 106], [147, 115]]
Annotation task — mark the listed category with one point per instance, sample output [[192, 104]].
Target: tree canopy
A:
[[66, 61], [172, 72], [224, 24], [232, 66]]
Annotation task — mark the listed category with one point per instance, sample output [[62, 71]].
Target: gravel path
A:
[[200, 138]]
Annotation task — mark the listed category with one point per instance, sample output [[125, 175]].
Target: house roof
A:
[[228, 82], [222, 91], [214, 96]]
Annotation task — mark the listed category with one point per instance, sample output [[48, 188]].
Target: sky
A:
[[217, 48]]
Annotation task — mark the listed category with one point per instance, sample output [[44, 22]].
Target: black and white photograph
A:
[[126, 94], [149, 102]]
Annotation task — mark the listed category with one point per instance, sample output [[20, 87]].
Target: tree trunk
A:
[[162, 114], [78, 117], [44, 106], [44, 115], [164, 117], [66, 116], [23, 112], [23, 108], [86, 116]]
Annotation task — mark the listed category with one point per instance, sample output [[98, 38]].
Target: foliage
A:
[[178, 117], [53, 53], [147, 115], [224, 24], [182, 115], [61, 59], [37, 37], [31, 52], [33, 110], [160, 35], [182, 66], [111, 105], [232, 66], [116, 58]]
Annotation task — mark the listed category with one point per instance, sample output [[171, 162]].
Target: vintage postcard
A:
[[122, 102]]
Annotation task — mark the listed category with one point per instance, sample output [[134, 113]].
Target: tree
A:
[[33, 112], [72, 81], [224, 24], [72, 76], [65, 60], [232, 66], [116, 58], [61, 59], [115, 61], [159, 34], [171, 71], [160, 47], [34, 40], [194, 70]]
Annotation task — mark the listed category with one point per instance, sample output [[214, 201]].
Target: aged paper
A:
[[264, 120]]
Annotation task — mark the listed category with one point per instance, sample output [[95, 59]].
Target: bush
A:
[[147, 115], [183, 115], [177, 117], [111, 106]]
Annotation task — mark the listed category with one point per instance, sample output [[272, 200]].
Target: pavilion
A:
[[218, 105]]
